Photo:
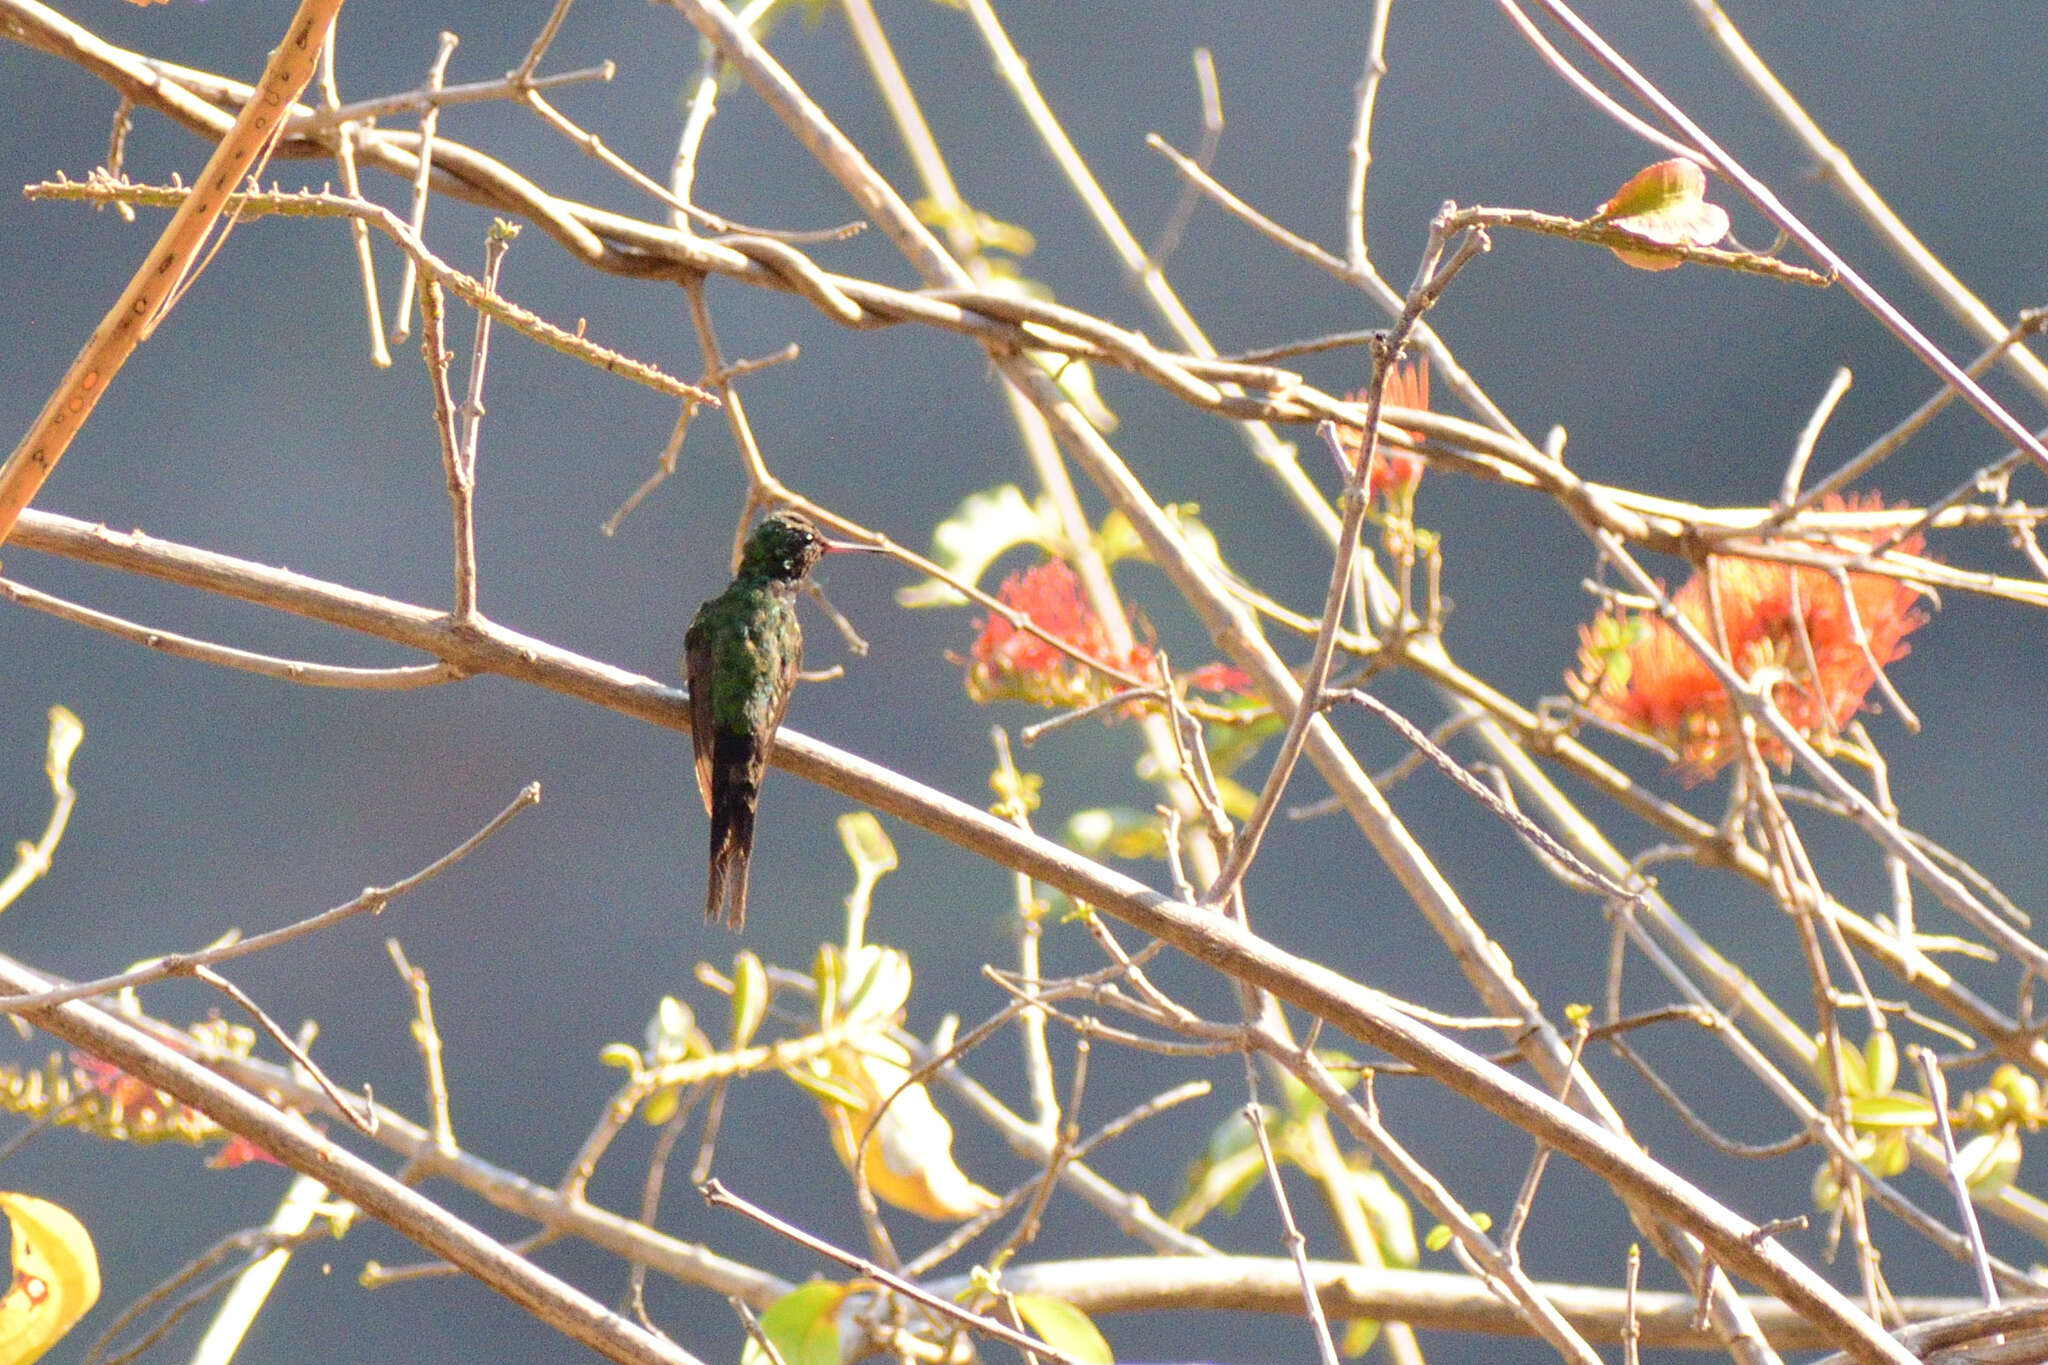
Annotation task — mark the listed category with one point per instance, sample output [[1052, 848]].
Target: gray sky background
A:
[[253, 424]]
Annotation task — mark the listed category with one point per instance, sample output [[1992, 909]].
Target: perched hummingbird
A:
[[741, 657]]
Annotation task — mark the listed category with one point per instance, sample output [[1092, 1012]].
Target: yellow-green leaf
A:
[[873, 857], [983, 528], [824, 1087], [876, 984], [1891, 1156], [1228, 1169], [1881, 1060], [1855, 1074], [622, 1055], [1990, 1162], [56, 1277], [1440, 1235], [1388, 1215], [1359, 1336], [1826, 1192], [749, 997], [66, 732], [1891, 1111], [826, 969], [1119, 831], [661, 1106], [1117, 539], [672, 1033], [1063, 1327], [803, 1324]]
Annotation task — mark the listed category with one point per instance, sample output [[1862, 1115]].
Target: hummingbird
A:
[[741, 656]]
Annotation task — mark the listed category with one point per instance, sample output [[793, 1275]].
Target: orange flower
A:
[[1014, 665], [1398, 470], [1635, 671]]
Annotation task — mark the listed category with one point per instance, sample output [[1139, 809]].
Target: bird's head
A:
[[784, 547]]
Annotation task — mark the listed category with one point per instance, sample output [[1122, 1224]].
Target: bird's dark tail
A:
[[727, 892], [732, 832]]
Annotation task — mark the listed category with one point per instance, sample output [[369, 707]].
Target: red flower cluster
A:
[[142, 1112], [1396, 470], [1009, 664], [1635, 671]]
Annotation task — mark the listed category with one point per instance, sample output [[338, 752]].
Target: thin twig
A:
[[460, 480], [1291, 1234], [427, 1038], [1958, 1184], [1211, 93], [469, 290], [1809, 435], [397, 679], [371, 901], [299, 1145], [719, 1197], [2030, 322], [32, 860], [291, 1224], [1578, 80], [351, 185], [430, 118], [419, 100], [1435, 275], [1355, 253], [1835, 167]]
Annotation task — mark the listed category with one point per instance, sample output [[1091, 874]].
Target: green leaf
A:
[[1119, 831], [1855, 1074], [803, 1324], [1063, 1327], [749, 997], [1827, 1194], [983, 528]]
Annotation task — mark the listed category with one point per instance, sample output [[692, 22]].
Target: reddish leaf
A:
[[1665, 203]]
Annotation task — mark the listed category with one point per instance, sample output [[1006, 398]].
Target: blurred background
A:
[[253, 424]]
